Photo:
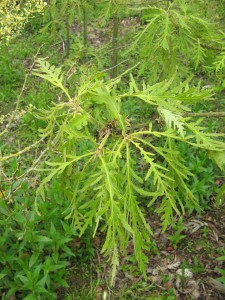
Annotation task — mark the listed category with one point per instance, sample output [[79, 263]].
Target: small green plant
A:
[[220, 198], [177, 235], [97, 151], [202, 184], [197, 267], [86, 293], [143, 290], [205, 232], [35, 250], [221, 271], [183, 273]]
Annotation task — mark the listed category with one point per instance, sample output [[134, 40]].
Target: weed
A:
[[34, 250], [221, 271], [197, 267], [205, 232], [177, 235]]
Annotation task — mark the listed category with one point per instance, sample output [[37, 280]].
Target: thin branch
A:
[[114, 66], [21, 151], [35, 163], [211, 114]]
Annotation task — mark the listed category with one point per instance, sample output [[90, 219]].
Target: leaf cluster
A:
[[35, 250], [15, 14], [94, 146], [175, 36]]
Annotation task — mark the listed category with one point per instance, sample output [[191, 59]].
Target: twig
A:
[[32, 168], [21, 151], [211, 114], [115, 66]]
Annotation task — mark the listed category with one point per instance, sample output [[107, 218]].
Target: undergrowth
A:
[[86, 150]]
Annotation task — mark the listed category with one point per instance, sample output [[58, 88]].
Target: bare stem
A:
[[4, 158], [210, 114]]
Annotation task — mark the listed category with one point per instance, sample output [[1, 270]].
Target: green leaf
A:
[[42, 281], [24, 279], [78, 121], [141, 191], [218, 158], [43, 239], [221, 258], [172, 120], [220, 197], [33, 260], [50, 73], [30, 297], [2, 275]]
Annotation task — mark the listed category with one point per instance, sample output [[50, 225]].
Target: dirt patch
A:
[[188, 270]]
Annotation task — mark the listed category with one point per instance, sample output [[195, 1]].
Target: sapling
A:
[[100, 162]]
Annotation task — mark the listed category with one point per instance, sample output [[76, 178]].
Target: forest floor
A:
[[183, 271]]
